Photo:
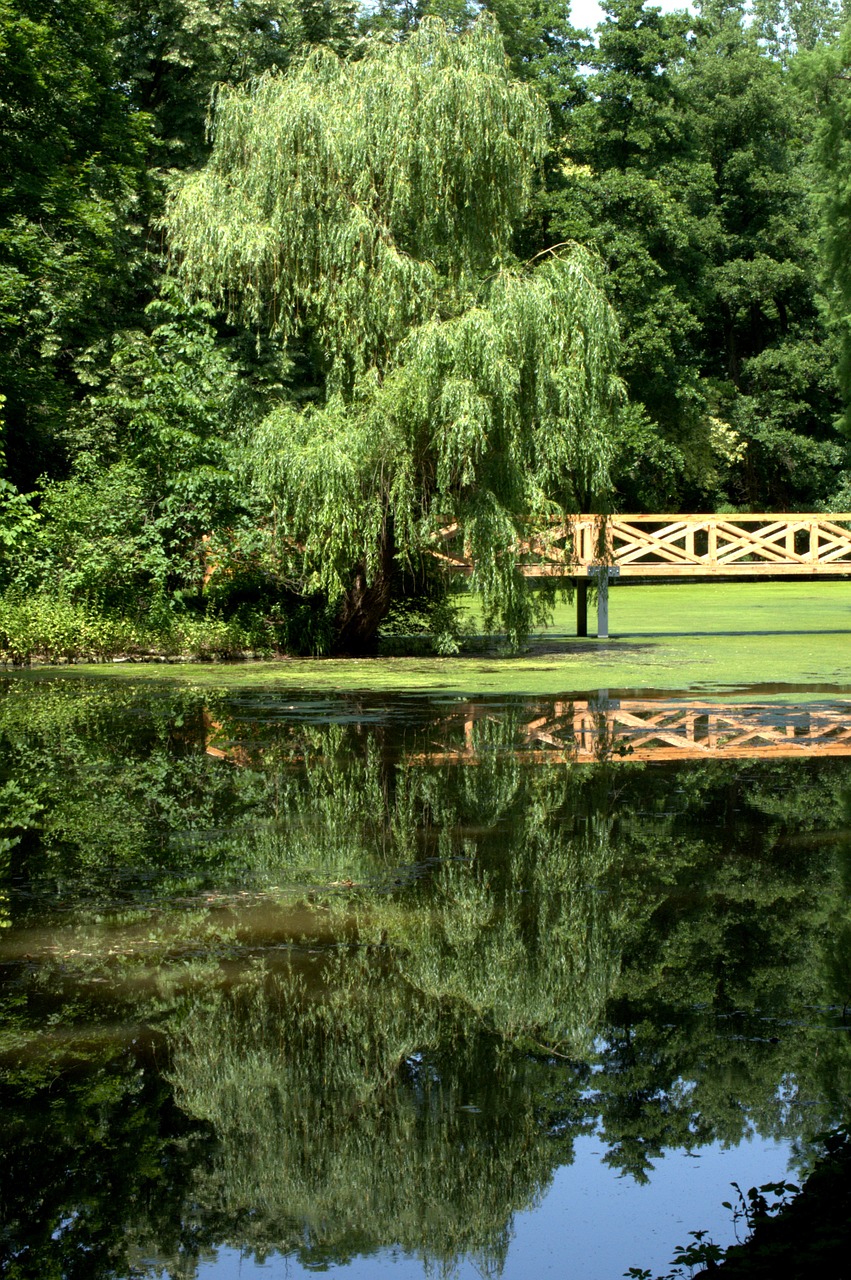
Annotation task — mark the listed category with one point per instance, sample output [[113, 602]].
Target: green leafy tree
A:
[[767, 357], [542, 45], [154, 473], [790, 26], [172, 53], [73, 193], [18, 519], [634, 186], [367, 207], [97, 98], [828, 72], [688, 169]]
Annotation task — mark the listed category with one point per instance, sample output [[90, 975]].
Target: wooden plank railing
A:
[[673, 546]]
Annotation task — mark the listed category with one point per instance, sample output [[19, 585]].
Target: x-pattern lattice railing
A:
[[649, 732], [687, 545]]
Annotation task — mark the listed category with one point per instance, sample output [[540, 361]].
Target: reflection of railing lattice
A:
[[606, 729], [651, 730]]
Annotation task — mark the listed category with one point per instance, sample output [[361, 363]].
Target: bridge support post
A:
[[603, 603], [581, 606]]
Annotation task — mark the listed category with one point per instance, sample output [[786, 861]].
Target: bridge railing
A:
[[690, 545]]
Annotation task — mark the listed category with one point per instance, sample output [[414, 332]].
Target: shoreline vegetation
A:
[[700, 637]]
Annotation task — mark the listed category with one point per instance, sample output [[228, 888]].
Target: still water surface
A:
[[407, 986]]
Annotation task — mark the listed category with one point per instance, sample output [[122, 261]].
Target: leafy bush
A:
[[50, 627], [211, 637]]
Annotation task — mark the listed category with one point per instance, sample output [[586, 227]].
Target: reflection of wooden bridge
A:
[[653, 730], [608, 729], [676, 546]]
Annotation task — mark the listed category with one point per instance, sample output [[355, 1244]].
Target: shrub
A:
[[53, 627]]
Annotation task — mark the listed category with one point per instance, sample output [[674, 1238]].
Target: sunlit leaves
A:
[[489, 418], [339, 195]]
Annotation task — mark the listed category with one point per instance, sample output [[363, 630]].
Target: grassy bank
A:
[[698, 637]]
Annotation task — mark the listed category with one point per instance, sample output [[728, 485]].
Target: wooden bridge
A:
[[597, 547]]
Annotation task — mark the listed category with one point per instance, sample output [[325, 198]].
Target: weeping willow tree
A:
[[366, 207]]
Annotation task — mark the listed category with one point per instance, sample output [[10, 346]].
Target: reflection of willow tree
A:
[[361, 1114], [356, 1089], [527, 938], [109, 792]]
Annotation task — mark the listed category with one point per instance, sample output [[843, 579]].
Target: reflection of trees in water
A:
[[650, 949], [727, 1020], [527, 939], [105, 796], [95, 1159], [358, 1114]]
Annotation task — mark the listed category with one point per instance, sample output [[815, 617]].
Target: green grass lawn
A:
[[702, 638]]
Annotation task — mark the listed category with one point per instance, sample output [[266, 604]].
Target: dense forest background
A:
[[702, 159]]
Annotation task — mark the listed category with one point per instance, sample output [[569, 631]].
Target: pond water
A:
[[408, 986]]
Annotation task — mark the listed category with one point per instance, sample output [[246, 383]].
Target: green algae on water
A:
[[694, 637]]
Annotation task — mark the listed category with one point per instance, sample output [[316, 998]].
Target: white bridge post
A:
[[601, 573], [603, 602]]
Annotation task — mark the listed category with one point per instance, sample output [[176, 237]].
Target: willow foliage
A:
[[341, 195], [350, 1092], [370, 204]]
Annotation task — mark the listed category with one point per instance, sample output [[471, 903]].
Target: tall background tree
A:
[[695, 182], [827, 74], [73, 196]]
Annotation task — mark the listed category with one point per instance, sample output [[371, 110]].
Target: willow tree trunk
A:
[[365, 604]]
